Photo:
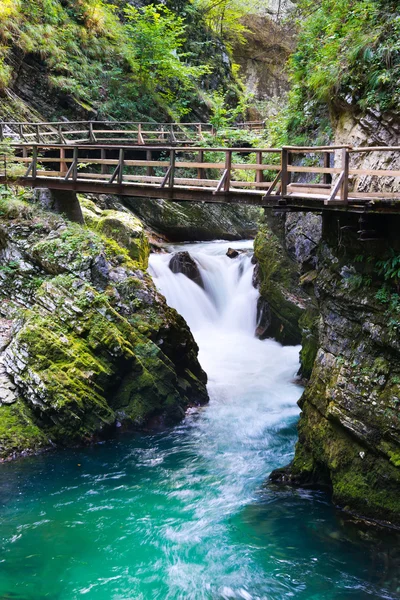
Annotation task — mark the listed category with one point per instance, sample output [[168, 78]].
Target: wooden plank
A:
[[375, 149], [211, 183], [259, 172], [299, 169], [228, 167], [272, 185], [301, 149], [221, 182], [204, 165]]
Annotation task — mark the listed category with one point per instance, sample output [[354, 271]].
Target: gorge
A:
[[182, 513], [199, 299]]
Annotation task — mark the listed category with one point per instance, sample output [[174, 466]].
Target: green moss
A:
[[85, 355], [277, 279], [308, 323], [127, 230], [18, 429], [362, 480]]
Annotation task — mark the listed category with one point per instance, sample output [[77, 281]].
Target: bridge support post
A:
[[149, 170], [344, 190], [63, 202], [259, 173], [200, 159], [327, 177], [63, 165], [284, 171], [103, 156], [228, 167]]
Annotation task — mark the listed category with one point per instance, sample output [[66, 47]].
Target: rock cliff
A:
[[285, 255], [349, 430], [87, 343]]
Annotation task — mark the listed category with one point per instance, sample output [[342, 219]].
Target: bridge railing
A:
[[129, 132], [218, 169], [270, 171], [337, 177]]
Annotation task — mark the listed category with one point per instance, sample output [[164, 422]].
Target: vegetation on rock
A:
[[92, 342]]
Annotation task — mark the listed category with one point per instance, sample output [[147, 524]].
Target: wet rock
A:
[[263, 318], [349, 429], [232, 253], [191, 221], [182, 262]]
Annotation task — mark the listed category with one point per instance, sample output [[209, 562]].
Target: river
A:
[[183, 514]]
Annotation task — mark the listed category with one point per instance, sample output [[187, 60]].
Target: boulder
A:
[[232, 253], [182, 262]]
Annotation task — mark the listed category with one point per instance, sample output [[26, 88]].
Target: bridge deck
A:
[[254, 176]]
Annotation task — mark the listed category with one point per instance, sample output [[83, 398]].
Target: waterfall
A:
[[222, 318], [228, 300]]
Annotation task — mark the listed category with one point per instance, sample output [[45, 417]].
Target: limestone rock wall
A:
[[263, 56], [285, 254], [370, 129], [87, 342], [349, 430]]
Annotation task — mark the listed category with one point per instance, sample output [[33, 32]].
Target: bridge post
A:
[[228, 167], [63, 166], [75, 164], [172, 134], [200, 158], [121, 166], [327, 177], [34, 162], [92, 137], [150, 169], [344, 190], [63, 202], [172, 157], [284, 171], [140, 137], [259, 174], [103, 156]]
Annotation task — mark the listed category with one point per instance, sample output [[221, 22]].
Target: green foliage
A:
[[348, 52], [119, 61], [9, 167], [390, 269], [155, 36], [224, 17], [347, 56], [222, 114]]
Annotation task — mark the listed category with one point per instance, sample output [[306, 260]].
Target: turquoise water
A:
[[183, 514]]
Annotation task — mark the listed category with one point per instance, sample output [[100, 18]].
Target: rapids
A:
[[183, 514]]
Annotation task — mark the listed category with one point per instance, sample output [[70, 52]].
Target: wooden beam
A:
[[273, 184], [332, 196], [284, 171], [259, 173], [344, 190]]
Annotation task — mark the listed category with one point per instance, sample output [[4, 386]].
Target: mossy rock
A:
[[277, 279], [94, 343], [127, 230]]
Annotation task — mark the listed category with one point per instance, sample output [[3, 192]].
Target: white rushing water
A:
[[250, 381]]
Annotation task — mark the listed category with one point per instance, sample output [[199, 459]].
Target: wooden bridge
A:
[[114, 132], [268, 177]]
